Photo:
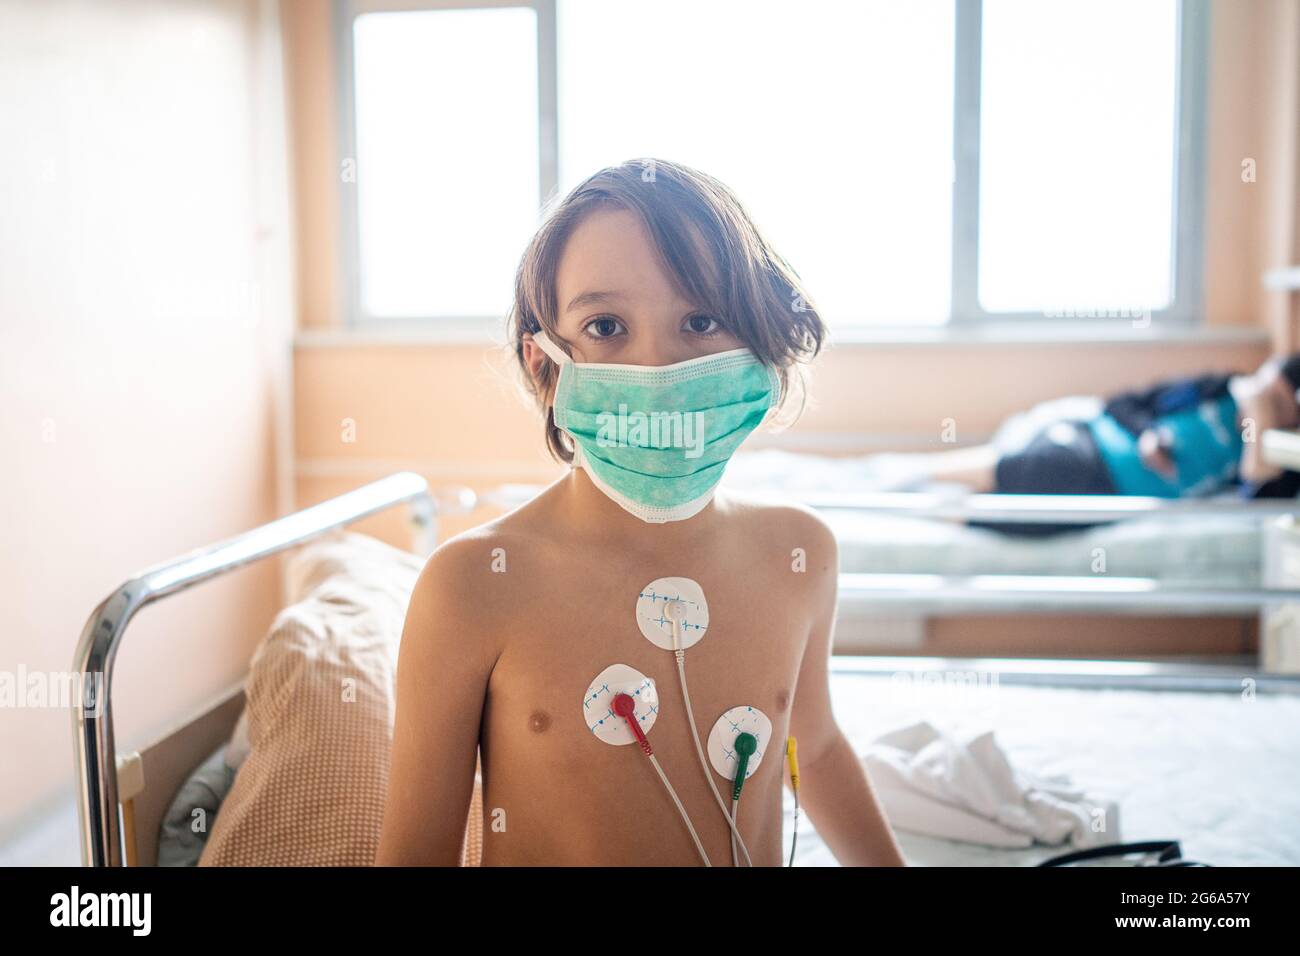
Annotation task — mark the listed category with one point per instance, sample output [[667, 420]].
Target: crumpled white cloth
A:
[[961, 786]]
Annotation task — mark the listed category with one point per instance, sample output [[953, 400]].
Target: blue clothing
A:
[[1206, 451]]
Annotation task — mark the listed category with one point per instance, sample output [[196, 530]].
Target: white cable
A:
[[734, 805], [795, 840], [699, 750], [673, 612], [680, 809]]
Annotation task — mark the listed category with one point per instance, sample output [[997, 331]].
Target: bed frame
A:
[[960, 505], [165, 765], [112, 798], [938, 595], [933, 594], [122, 799]]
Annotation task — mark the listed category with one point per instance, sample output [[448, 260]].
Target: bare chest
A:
[[542, 748]]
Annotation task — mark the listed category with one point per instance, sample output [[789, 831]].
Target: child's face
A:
[[617, 302]]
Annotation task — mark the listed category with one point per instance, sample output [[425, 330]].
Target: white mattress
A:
[[1218, 773], [1223, 550]]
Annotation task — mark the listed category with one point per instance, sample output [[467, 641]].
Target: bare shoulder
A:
[[795, 531], [783, 519], [472, 588], [472, 562]]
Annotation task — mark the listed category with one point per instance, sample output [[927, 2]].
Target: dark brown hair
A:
[[741, 280]]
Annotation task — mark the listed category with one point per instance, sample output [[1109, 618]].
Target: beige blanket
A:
[[320, 716]]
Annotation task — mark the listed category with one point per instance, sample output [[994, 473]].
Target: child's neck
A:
[[590, 513]]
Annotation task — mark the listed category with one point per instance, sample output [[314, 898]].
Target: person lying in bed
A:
[[657, 295], [1187, 437]]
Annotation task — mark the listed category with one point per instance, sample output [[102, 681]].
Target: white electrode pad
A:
[[598, 703], [655, 624], [722, 738]]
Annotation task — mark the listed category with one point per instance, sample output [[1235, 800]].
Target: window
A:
[[919, 163], [1077, 201], [446, 158], [854, 190]]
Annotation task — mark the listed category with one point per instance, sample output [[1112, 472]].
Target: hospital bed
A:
[[1187, 753], [1135, 713], [935, 553]]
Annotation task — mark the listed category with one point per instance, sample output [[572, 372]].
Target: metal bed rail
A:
[[1028, 593], [884, 593], [1045, 509], [1011, 509], [96, 754], [974, 673], [941, 594]]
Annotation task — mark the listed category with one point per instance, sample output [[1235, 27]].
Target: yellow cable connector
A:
[[793, 758]]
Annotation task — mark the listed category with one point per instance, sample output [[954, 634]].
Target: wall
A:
[[1254, 112], [145, 317]]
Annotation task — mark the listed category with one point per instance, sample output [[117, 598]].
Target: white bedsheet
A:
[[1218, 772], [1221, 549]]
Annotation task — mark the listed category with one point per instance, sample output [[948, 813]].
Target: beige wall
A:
[[1254, 114], [145, 314], [308, 53]]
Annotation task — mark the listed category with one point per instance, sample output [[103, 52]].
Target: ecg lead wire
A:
[[625, 707], [791, 754], [680, 809], [674, 615], [734, 805], [745, 745]]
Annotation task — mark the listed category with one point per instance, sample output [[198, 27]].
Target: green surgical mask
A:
[[656, 438]]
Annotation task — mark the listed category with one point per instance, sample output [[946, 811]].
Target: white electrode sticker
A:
[[653, 615], [722, 739], [598, 703]]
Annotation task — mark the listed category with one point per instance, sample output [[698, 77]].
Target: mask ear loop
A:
[[551, 350], [556, 355]]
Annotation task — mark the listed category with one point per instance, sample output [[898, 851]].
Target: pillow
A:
[[310, 790], [238, 746], [309, 567]]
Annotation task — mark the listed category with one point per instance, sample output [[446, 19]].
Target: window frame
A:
[[966, 313], [349, 244], [1187, 245]]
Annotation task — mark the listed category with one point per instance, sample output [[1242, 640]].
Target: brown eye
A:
[[703, 324], [603, 327]]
